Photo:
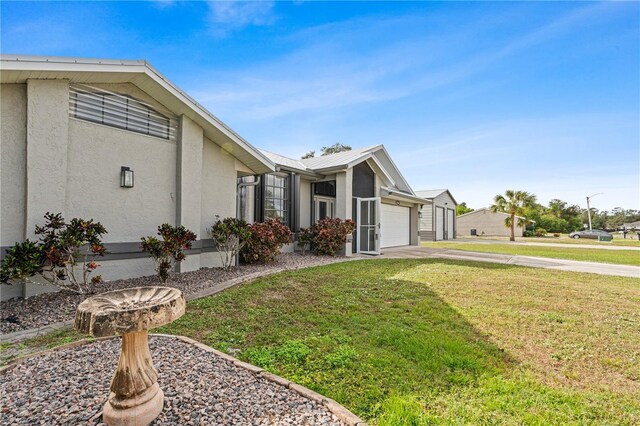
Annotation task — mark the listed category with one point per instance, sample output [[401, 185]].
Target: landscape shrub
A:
[[305, 236], [540, 232], [55, 256], [229, 236], [529, 233], [328, 236], [556, 235], [265, 242], [170, 250]]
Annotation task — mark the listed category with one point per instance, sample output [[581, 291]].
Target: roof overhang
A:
[[19, 69], [394, 194]]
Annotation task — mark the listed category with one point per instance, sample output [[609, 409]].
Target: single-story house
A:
[[362, 184], [485, 222], [438, 215], [71, 128]]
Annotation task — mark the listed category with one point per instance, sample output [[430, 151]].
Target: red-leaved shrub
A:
[[328, 236], [265, 242]]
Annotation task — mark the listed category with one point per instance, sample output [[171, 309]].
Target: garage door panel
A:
[[395, 225]]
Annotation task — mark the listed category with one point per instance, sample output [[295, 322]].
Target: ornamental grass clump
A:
[[56, 256], [229, 236], [167, 252], [328, 236], [265, 242]]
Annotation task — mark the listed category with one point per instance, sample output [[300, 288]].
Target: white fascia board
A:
[[404, 181], [387, 177]]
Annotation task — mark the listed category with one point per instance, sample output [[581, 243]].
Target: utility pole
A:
[[589, 207]]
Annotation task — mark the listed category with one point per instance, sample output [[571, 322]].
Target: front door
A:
[[368, 225], [324, 208]]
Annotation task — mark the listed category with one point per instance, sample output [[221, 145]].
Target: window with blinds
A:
[[118, 110]]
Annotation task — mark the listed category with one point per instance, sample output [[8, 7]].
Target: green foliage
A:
[[515, 204], [56, 255], [462, 209], [169, 250], [328, 150], [335, 148], [309, 154], [327, 236], [265, 242], [540, 232], [229, 236]]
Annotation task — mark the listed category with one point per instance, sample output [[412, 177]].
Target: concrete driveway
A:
[[417, 252]]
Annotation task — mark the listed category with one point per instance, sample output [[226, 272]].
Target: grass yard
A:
[[421, 342], [413, 342], [564, 239], [620, 257]]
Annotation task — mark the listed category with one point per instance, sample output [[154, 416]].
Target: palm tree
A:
[[513, 203]]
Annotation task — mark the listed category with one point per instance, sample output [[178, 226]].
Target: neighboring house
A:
[[362, 184], [632, 225], [438, 215], [485, 222], [71, 126], [68, 126]]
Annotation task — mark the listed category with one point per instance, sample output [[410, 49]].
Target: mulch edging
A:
[[332, 406]]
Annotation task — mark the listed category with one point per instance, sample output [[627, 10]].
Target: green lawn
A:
[[564, 239], [420, 342], [412, 342], [621, 257]]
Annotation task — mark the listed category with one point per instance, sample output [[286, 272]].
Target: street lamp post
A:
[[589, 207]]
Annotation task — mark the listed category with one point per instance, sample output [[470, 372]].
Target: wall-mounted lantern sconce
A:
[[126, 177]]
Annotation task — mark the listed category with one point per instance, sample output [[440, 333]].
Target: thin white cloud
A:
[[228, 16]]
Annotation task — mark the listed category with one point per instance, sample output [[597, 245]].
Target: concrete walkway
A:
[[417, 252], [523, 243]]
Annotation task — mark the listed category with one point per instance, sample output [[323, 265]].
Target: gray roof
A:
[[430, 194], [19, 68], [343, 158], [284, 161]]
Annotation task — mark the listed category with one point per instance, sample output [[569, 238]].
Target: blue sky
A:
[[474, 97]]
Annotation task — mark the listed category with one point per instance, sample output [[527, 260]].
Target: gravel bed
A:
[[70, 386], [44, 309]]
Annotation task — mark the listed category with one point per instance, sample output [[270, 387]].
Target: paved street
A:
[[417, 252]]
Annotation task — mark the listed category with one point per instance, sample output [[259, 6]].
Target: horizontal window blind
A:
[[121, 111]]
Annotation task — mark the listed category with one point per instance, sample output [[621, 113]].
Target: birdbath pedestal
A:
[[135, 397]]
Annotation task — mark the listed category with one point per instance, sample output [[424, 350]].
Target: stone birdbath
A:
[[135, 397]]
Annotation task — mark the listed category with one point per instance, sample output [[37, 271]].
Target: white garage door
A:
[[394, 225], [451, 217], [439, 223]]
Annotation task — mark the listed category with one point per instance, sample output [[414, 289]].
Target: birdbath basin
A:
[[135, 397]]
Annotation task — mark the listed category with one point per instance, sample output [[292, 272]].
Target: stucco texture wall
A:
[[485, 222], [13, 165], [96, 154]]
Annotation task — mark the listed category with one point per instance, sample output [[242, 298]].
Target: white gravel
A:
[[70, 386], [38, 311]]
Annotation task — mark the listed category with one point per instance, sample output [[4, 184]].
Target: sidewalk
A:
[[417, 252]]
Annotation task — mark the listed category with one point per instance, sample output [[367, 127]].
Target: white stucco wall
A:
[[219, 178], [96, 153], [485, 222], [13, 162], [51, 162], [189, 174], [305, 203]]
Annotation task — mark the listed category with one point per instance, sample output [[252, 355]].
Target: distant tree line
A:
[[561, 217]]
